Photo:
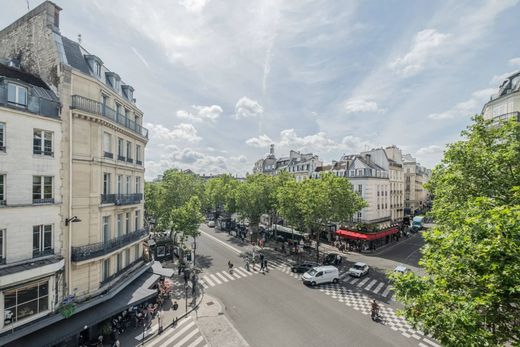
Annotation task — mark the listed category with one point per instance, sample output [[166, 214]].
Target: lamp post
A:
[[186, 296]]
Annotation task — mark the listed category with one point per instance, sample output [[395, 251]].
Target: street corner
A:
[[210, 307]]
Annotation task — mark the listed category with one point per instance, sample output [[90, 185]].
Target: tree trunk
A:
[[318, 246], [254, 231]]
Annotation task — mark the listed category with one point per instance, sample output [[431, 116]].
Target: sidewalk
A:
[[215, 326]]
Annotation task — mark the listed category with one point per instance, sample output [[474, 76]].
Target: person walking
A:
[[247, 264], [186, 275], [175, 306], [265, 265], [262, 269]]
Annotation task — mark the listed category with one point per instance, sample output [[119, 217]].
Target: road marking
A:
[[228, 275], [175, 330], [378, 288], [430, 342], [215, 278], [362, 283], [371, 285], [221, 242], [196, 342], [221, 277], [387, 290], [176, 336], [354, 281], [343, 274], [210, 282], [204, 285], [186, 338], [241, 273]]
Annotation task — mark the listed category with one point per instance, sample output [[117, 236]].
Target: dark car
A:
[[332, 259], [304, 267]]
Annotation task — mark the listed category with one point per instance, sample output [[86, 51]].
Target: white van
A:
[[321, 274]]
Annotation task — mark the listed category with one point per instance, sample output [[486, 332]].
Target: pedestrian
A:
[[186, 275], [265, 265], [159, 322], [175, 307], [247, 264], [262, 266]]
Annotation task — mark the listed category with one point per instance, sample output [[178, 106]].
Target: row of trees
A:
[[179, 199]]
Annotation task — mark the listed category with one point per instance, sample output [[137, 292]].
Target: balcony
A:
[[129, 160], [120, 272], [42, 252], [120, 158], [138, 162], [45, 153], [3, 203], [94, 250], [43, 201], [2, 261], [92, 106], [121, 199], [108, 155], [507, 116], [35, 104], [2, 149]]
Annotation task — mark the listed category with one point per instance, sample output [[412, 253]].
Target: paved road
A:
[[276, 309]]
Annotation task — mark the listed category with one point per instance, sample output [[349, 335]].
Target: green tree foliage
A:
[[470, 295], [253, 198], [152, 194], [187, 218], [220, 194]]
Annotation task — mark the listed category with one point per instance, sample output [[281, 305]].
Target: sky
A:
[[219, 81]]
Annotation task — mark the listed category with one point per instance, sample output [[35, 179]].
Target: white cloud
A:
[[432, 149], [425, 45], [498, 79], [194, 5], [514, 61], [203, 113], [140, 56], [182, 132], [262, 141], [468, 107], [239, 158], [247, 108], [361, 105], [315, 142]]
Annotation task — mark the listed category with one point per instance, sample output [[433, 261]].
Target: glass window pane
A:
[[2, 129], [37, 141], [27, 309], [43, 304], [47, 187], [36, 238], [11, 92], [27, 294], [9, 298], [22, 95]]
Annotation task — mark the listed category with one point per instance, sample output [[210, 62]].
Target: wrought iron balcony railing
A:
[[138, 162], [120, 158], [95, 107], [43, 201], [129, 160], [108, 155], [121, 199], [120, 272], [94, 250], [42, 252]]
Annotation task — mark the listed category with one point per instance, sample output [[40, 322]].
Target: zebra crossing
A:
[[216, 278], [185, 334]]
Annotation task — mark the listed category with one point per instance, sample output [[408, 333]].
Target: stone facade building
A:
[[396, 178], [31, 240], [98, 167], [505, 104], [416, 197]]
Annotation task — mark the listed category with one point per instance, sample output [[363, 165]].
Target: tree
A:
[[187, 218], [152, 197], [287, 206], [470, 294], [253, 198], [220, 194]]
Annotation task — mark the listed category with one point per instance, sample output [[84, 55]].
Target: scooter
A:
[[376, 317]]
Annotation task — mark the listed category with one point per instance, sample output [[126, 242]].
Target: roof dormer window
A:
[[95, 64], [113, 80], [128, 92]]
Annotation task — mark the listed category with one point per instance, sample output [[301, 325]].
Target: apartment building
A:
[[416, 197], [505, 104], [300, 165], [396, 178], [31, 264]]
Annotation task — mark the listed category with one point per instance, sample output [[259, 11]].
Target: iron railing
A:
[[35, 104], [129, 160], [121, 199], [507, 116], [95, 107], [42, 252], [98, 249], [120, 272], [120, 158], [43, 201], [138, 162], [2, 261], [108, 155], [3, 202]]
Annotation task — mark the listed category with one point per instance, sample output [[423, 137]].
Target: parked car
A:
[[359, 270], [401, 269], [304, 267], [211, 224], [321, 274], [332, 259]]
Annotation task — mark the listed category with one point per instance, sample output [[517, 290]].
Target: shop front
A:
[[363, 242]]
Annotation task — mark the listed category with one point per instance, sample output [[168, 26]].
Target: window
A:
[[119, 261], [360, 189], [42, 189], [136, 251], [106, 269], [137, 220], [118, 110], [97, 68], [137, 120], [16, 94], [127, 256], [128, 150], [107, 143], [42, 142], [121, 149], [2, 137], [127, 113], [119, 225], [106, 183], [127, 222], [2, 189], [106, 228], [138, 158], [137, 184], [26, 301], [42, 240], [128, 188], [2, 246], [119, 184]]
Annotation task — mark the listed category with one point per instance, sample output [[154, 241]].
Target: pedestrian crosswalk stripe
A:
[[371, 285], [362, 283], [225, 273], [343, 274], [177, 334], [430, 342], [204, 284], [219, 275], [210, 282], [214, 278], [378, 288], [185, 324], [147, 332], [387, 290], [354, 281], [196, 342], [241, 273], [186, 338]]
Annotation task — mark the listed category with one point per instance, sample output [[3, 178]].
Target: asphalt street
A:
[[276, 309]]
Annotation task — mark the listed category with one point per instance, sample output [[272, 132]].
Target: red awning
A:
[[354, 235]]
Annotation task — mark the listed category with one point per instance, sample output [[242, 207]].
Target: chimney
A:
[[271, 149], [368, 157]]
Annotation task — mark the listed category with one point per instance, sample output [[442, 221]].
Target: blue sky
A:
[[219, 81]]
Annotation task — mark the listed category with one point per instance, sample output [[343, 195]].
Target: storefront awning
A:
[[354, 235]]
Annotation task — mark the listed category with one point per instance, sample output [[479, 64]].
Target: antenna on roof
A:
[[28, 7], [79, 39]]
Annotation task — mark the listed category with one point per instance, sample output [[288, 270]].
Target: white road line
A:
[[221, 277], [430, 342], [343, 274], [147, 332], [378, 288], [362, 283], [210, 282], [225, 273], [177, 334], [187, 338], [215, 278], [242, 273], [221, 242], [196, 342], [204, 285], [387, 290], [354, 281], [167, 333], [371, 285]]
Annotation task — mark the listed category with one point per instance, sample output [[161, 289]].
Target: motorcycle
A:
[[376, 317]]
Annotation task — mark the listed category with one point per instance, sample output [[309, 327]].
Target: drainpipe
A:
[[69, 258]]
